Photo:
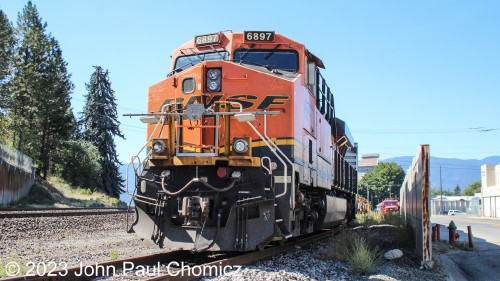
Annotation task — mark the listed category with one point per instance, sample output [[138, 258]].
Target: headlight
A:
[[214, 80], [240, 146], [158, 146], [213, 74], [213, 86]]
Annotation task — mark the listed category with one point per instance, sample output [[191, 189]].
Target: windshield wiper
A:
[[215, 51], [271, 52], [243, 56], [195, 53]]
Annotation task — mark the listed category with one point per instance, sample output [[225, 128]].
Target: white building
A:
[[466, 204], [351, 156], [490, 190], [367, 164]]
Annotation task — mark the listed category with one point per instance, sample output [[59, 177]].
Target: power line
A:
[[437, 131], [122, 107]]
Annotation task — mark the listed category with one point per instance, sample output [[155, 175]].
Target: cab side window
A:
[[311, 75]]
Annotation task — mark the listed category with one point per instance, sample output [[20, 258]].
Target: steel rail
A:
[[72, 272], [60, 212], [247, 258], [194, 260]]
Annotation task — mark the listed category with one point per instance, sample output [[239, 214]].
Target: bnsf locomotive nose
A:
[[241, 150]]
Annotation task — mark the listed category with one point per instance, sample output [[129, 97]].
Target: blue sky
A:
[[403, 73]]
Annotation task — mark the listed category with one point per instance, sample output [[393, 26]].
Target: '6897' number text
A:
[[259, 36]]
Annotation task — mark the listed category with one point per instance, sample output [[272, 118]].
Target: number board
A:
[[207, 39], [259, 36]]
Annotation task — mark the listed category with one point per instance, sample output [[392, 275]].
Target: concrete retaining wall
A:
[[415, 204], [17, 174]]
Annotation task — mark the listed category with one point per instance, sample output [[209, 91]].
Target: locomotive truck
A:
[[243, 147]]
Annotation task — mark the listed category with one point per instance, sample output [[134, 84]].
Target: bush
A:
[[79, 164], [363, 259]]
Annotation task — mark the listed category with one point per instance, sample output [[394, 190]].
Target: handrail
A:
[[136, 170], [269, 170], [276, 154], [292, 197]]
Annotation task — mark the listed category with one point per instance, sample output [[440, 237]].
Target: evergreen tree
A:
[[100, 125], [40, 111], [30, 62], [457, 191], [56, 118], [7, 44]]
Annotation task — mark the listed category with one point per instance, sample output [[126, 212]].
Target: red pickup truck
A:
[[389, 205]]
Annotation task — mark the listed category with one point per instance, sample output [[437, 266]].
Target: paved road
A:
[[486, 230], [483, 262]]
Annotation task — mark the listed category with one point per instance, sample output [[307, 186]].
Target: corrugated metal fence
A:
[[415, 204], [17, 174]]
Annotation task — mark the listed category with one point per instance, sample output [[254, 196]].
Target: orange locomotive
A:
[[244, 147]]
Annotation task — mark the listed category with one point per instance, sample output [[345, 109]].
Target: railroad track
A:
[[59, 212], [173, 266]]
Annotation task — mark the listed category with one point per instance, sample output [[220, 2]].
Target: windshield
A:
[[391, 203], [185, 62], [279, 59]]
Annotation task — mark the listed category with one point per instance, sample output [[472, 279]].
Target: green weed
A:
[[7, 272], [113, 254], [363, 259], [341, 247]]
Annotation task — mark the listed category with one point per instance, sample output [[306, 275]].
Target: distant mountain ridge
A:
[[454, 171]]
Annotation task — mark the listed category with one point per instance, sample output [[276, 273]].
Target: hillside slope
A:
[[54, 192]]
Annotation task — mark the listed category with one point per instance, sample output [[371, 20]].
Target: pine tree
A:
[[30, 62], [57, 121], [40, 110], [7, 44], [100, 125], [457, 191]]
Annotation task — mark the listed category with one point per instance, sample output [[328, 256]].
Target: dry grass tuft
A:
[[81, 197]]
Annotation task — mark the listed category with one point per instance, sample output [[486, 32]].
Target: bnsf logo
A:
[[247, 101]]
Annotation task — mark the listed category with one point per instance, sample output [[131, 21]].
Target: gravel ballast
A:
[[72, 239], [306, 263], [88, 239]]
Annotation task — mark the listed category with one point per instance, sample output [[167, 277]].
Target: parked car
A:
[[455, 212]]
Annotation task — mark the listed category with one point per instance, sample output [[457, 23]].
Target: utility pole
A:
[[441, 187]]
